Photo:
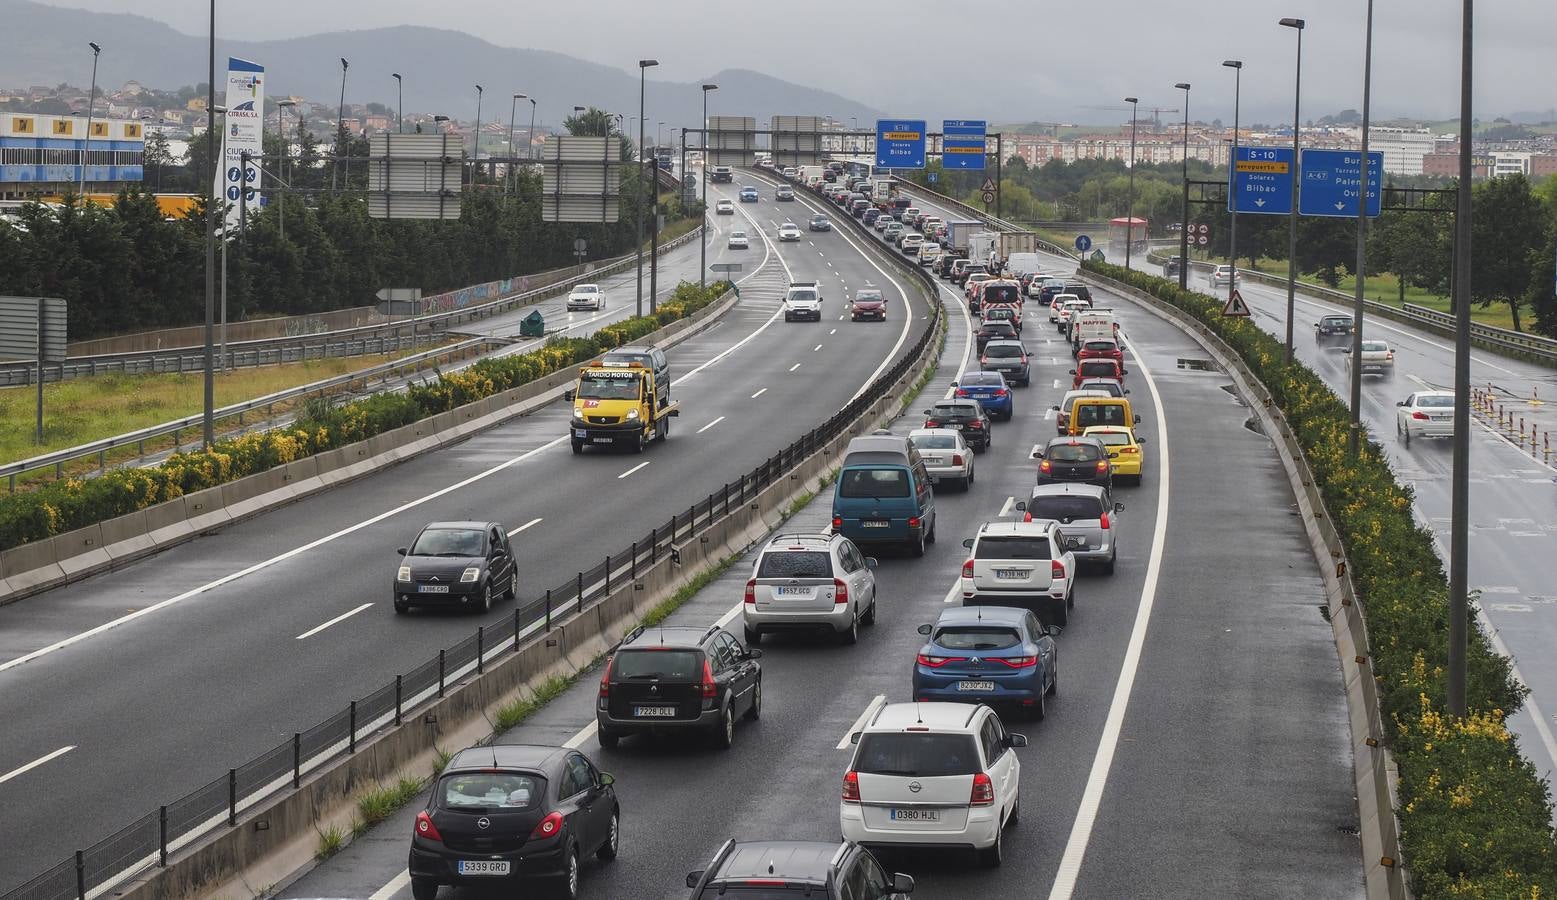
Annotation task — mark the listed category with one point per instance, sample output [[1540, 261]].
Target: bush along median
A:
[[72, 503], [1475, 815]]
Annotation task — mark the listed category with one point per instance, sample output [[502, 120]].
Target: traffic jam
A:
[[935, 769]]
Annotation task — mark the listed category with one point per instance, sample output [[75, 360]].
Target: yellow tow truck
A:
[[615, 405]]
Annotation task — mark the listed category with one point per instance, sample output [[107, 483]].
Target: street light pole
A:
[[281, 168], [1292, 217], [399, 102], [529, 136], [1184, 223], [1130, 204], [643, 68], [86, 141], [475, 151], [1232, 235], [1459, 512], [340, 129], [208, 422], [508, 170], [702, 272], [1354, 436]]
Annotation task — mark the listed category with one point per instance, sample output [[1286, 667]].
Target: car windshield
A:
[[1012, 547], [1077, 452], [917, 754], [737, 234], [1099, 345], [977, 637], [586, 289], [661, 663], [1064, 508], [795, 564], [1099, 367], [819, 220], [490, 791], [1089, 414], [874, 482], [1003, 351], [867, 296], [601, 386], [802, 296], [953, 411], [1002, 293], [1435, 402], [449, 542], [935, 442], [1374, 346], [1111, 438]]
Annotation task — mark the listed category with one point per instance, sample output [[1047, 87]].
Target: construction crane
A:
[[1156, 112]]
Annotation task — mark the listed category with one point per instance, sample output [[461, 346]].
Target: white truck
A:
[[981, 245], [882, 191], [1022, 263], [957, 234], [809, 175], [1013, 242]]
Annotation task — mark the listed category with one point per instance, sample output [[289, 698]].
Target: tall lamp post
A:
[[529, 136], [1354, 436], [1130, 203], [1232, 235], [208, 422], [508, 170], [86, 141], [475, 151], [1459, 552], [643, 69], [399, 102], [281, 168], [1292, 217], [340, 129], [1184, 223], [702, 272]]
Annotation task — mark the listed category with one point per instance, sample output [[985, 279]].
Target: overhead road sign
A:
[[900, 143], [1260, 181], [1332, 179], [1235, 305], [962, 143]]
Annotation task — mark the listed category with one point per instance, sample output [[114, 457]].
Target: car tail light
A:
[[1102, 465], [956, 459], [967, 569], [914, 522], [837, 523], [605, 678], [983, 791], [851, 787], [1422, 416], [547, 827], [983, 360], [961, 392], [976, 425], [1056, 569], [1027, 517], [1019, 662], [1000, 392], [1046, 466], [931, 423], [425, 827], [751, 592], [710, 689], [841, 589], [1104, 520], [935, 662], [1390, 355]]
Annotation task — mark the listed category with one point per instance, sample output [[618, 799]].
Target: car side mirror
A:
[[924, 630], [1072, 371], [1140, 440], [1118, 507], [1137, 420], [1400, 403], [1020, 506], [1055, 408], [928, 413], [1016, 740], [754, 653], [1124, 371], [1127, 390], [968, 543], [403, 551], [694, 877], [854, 738], [1053, 631], [871, 563], [568, 395], [954, 384], [902, 884], [607, 779]]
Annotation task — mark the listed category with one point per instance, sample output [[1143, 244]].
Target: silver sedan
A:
[[947, 457]]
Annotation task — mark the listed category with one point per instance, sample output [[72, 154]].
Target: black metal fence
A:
[[151, 839]]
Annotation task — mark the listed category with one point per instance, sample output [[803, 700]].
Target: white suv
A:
[[803, 301], [810, 582], [934, 774], [1023, 564], [1221, 275]]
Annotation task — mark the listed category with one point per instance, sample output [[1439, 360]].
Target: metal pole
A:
[[86, 140], [222, 356], [654, 236], [1354, 435], [1232, 235], [1292, 217], [999, 161], [208, 423], [642, 75], [508, 176], [1184, 230], [1130, 203], [40, 370], [399, 103], [281, 169], [340, 126], [529, 136], [475, 150], [1459, 514], [702, 251]]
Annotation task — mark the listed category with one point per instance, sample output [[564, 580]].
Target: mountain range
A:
[[46, 45]]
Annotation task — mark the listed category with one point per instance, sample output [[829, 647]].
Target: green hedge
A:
[[1475, 816], [72, 503]]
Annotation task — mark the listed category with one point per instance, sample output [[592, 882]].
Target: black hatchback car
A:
[[456, 564], [821, 870], [966, 416], [1072, 459], [1332, 326], [511, 814], [995, 330], [676, 678]]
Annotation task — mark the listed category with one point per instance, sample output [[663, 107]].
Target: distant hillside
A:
[[46, 45]]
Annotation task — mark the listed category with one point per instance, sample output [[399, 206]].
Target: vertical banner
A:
[[243, 131]]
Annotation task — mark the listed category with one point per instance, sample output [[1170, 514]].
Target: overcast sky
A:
[[1006, 59]]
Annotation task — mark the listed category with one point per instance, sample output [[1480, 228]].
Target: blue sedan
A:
[[748, 194], [997, 655], [990, 390]]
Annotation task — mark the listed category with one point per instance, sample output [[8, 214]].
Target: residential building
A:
[[43, 154], [1403, 148]]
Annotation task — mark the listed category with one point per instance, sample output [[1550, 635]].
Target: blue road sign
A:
[[932, 177], [1083, 243], [1332, 180], [900, 143], [1261, 181], [962, 143]]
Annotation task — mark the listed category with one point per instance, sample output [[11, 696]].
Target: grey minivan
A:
[[1087, 515]]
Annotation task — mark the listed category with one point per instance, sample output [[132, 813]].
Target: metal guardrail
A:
[[384, 337]]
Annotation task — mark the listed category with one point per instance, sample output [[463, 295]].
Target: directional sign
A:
[[1235, 305], [1083, 243], [962, 143], [725, 267], [1261, 181], [1332, 180], [900, 143]]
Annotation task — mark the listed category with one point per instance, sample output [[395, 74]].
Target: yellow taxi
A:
[[1124, 449]]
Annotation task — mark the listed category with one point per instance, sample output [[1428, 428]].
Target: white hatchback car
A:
[[1221, 275], [809, 582], [1425, 414], [789, 231], [947, 457], [1022, 564], [738, 240], [941, 775], [586, 296], [724, 208]]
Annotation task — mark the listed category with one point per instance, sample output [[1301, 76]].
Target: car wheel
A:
[[1108, 567], [607, 851], [852, 634], [755, 712], [608, 739], [578, 447], [1054, 677], [424, 888], [486, 599], [1407, 431], [931, 538], [1070, 599], [640, 444], [513, 586], [724, 732], [1015, 818], [990, 856], [972, 474], [1040, 709], [918, 546], [570, 879], [402, 608], [1060, 613], [870, 614], [753, 638]]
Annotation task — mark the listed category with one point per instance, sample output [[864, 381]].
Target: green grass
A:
[[515, 713], [440, 760], [331, 840], [664, 608], [926, 377], [381, 802]]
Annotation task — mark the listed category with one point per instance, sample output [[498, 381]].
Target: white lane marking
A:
[[759, 393], [23, 770], [816, 348], [1092, 796], [794, 367], [526, 526], [395, 886], [1005, 508], [840, 318], [633, 469], [584, 734], [834, 331], [1048, 414], [876, 703], [1056, 384], [340, 618], [710, 425]]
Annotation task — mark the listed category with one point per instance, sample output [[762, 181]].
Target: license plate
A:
[[792, 592], [599, 440], [975, 685], [655, 712], [956, 426], [483, 867], [916, 815], [1010, 574], [580, 433], [432, 589], [874, 523]]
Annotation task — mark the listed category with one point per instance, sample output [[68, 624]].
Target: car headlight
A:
[[470, 574], [404, 574], [578, 413], [632, 414]]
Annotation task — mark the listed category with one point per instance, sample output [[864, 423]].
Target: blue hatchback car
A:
[[996, 655], [990, 390], [748, 194]]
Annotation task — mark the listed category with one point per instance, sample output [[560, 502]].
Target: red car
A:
[[1098, 368], [1101, 348]]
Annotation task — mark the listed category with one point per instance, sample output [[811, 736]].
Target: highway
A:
[[1199, 745], [139, 685]]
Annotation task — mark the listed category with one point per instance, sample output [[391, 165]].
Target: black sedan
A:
[[966, 416], [995, 330], [1332, 326], [508, 815], [456, 564], [1082, 459], [820, 223]]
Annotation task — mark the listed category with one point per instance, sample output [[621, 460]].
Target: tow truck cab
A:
[[619, 405]]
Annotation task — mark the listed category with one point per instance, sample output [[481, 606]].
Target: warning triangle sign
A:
[[989, 184], [1235, 305]]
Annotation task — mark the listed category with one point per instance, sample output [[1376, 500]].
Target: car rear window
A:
[[917, 754], [1099, 367], [490, 791], [1089, 414], [1109, 387], [936, 442], [1101, 345], [1002, 293], [874, 482], [1002, 351], [1012, 547], [1065, 508], [1373, 346], [1435, 402], [1077, 452], [1111, 438], [655, 663], [953, 411], [757, 891], [448, 542], [977, 637], [795, 564], [980, 380]]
